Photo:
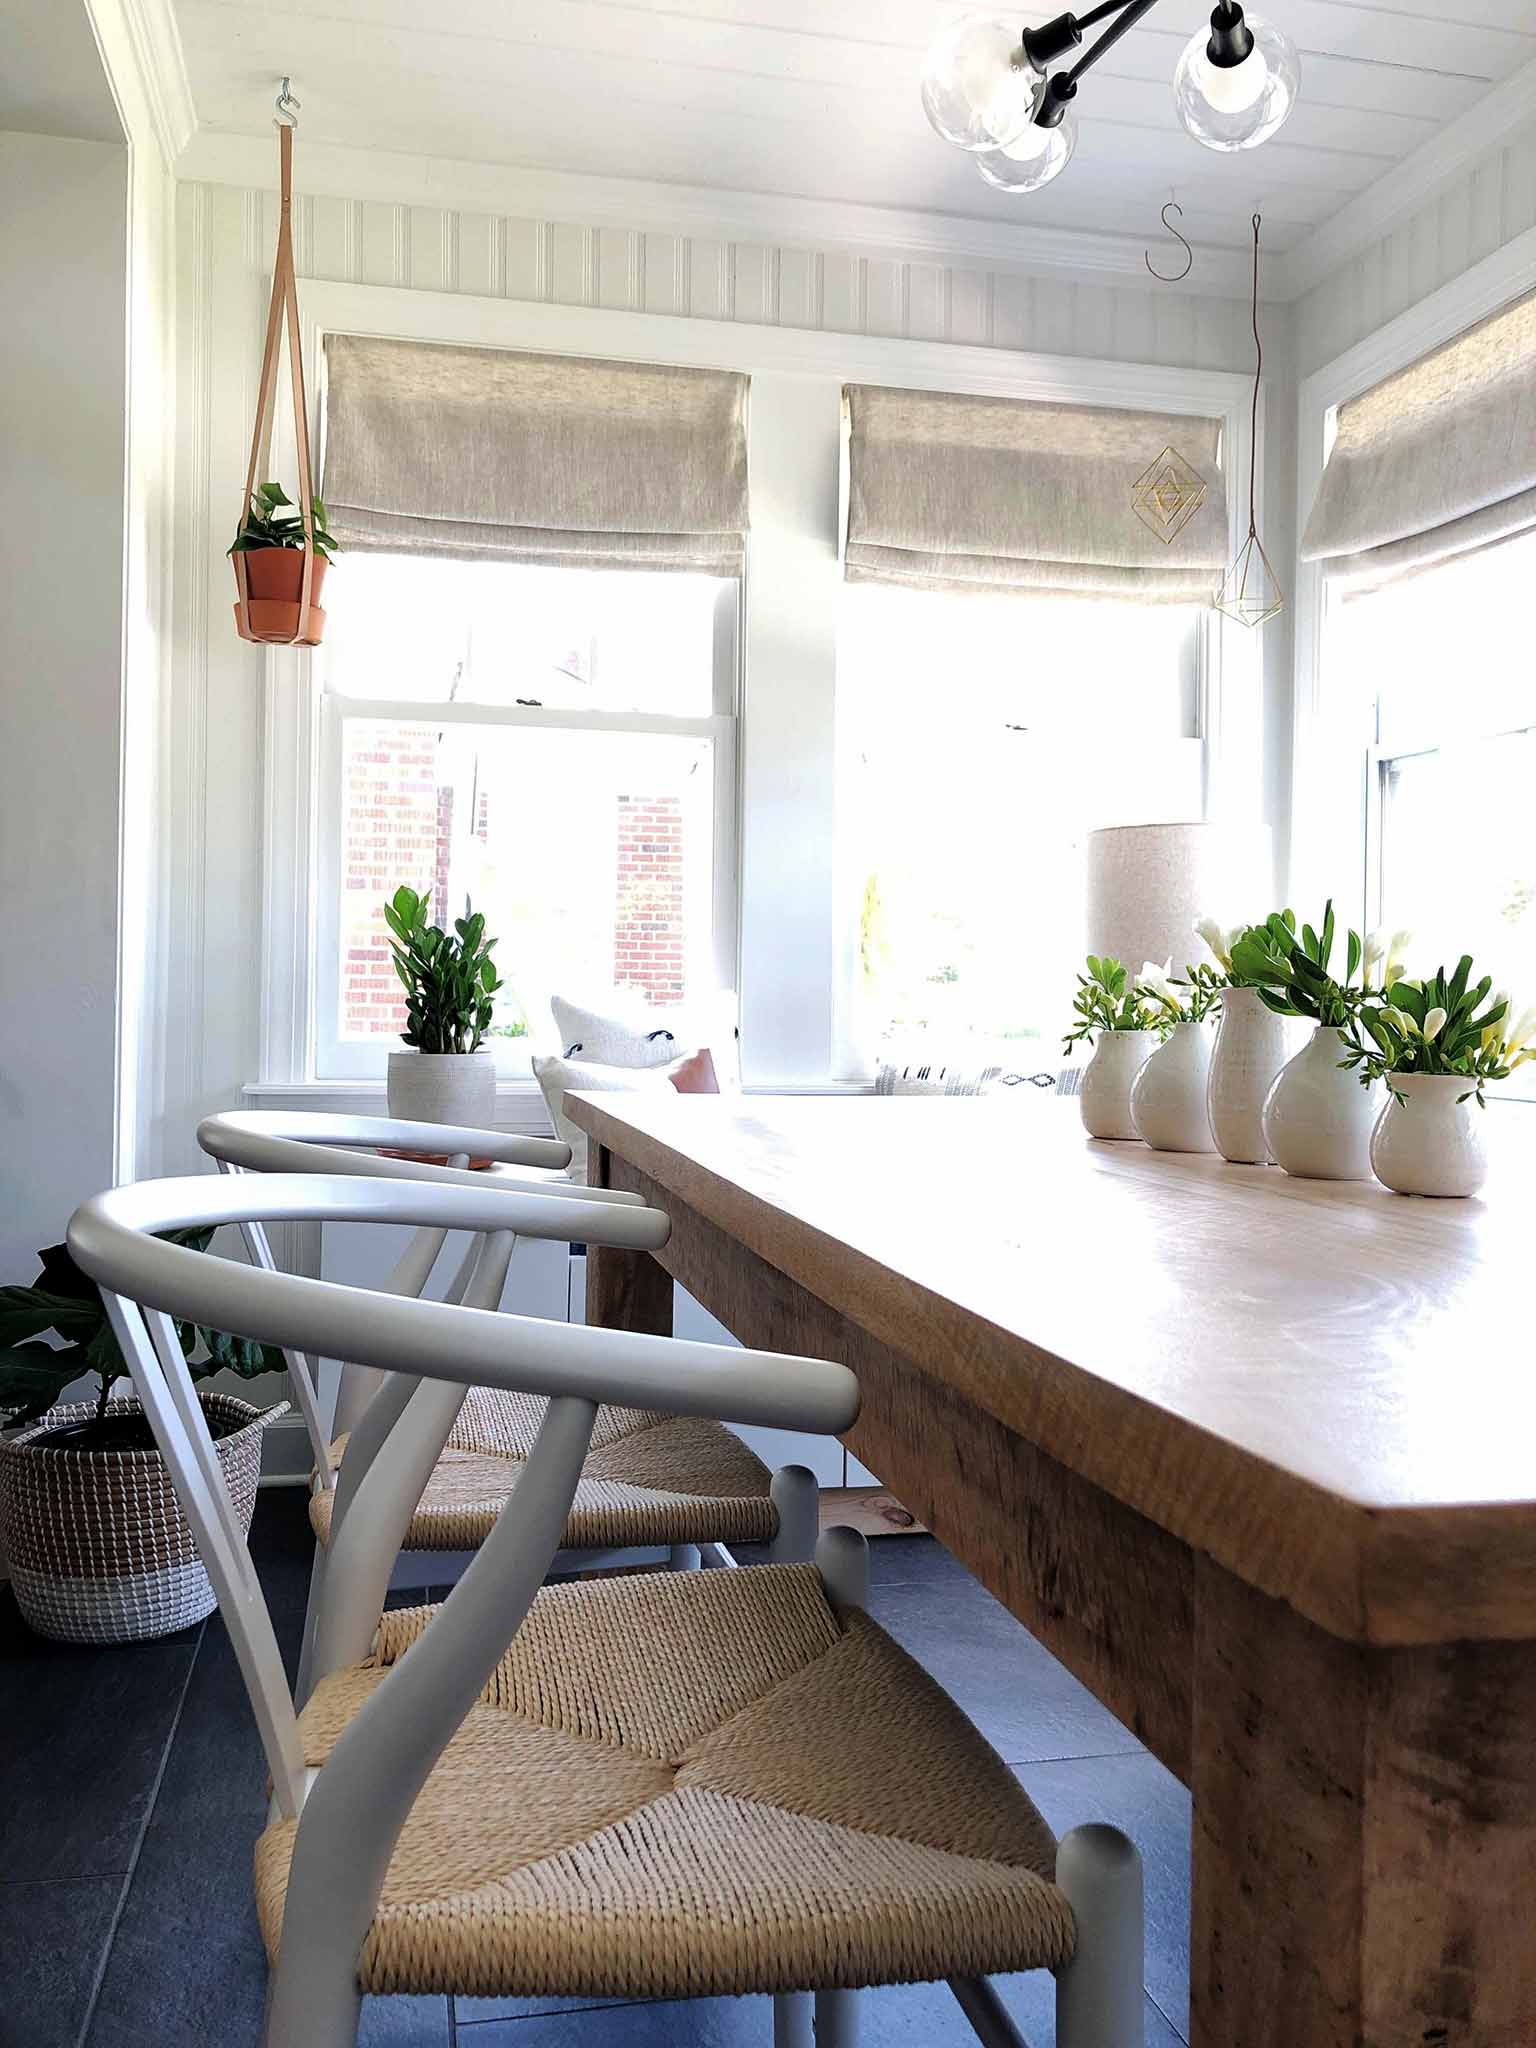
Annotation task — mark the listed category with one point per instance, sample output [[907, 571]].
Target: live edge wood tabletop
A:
[[1254, 1456]]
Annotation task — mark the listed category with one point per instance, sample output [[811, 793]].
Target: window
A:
[[1451, 855], [557, 745], [981, 739]]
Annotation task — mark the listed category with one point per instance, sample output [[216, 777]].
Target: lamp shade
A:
[[1147, 884]]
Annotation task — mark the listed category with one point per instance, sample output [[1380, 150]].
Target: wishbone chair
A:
[[664, 1785]]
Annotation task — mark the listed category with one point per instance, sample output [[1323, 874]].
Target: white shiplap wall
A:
[[1466, 220], [211, 815]]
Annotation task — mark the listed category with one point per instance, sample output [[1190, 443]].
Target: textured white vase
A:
[[443, 1088], [1252, 1045], [1318, 1118], [1105, 1102], [1432, 1144], [1169, 1094]]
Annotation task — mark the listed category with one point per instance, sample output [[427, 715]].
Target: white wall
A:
[[225, 238], [1466, 219], [63, 256]]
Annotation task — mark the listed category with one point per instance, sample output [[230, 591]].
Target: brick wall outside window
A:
[[648, 935]]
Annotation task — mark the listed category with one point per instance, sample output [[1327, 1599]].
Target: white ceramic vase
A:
[[1105, 1101], [1318, 1118], [1433, 1143], [1252, 1045], [1168, 1097], [443, 1088]]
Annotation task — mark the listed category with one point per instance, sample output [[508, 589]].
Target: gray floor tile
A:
[[51, 1939], [1027, 1705]]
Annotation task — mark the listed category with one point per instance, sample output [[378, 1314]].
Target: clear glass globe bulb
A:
[[1033, 159], [1237, 106], [978, 86]]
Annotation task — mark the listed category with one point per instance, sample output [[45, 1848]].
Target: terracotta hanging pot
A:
[[275, 581]]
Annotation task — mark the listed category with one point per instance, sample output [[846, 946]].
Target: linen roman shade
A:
[[1437, 461], [490, 453], [953, 492]]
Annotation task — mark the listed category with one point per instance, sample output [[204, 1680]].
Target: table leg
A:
[[1365, 1835], [625, 1290]]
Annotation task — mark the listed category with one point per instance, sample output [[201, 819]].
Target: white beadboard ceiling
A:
[[816, 101]]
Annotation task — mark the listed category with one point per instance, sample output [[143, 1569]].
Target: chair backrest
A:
[[299, 1141], [385, 1755]]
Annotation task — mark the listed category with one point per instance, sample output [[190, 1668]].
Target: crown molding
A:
[[217, 158], [1476, 134], [141, 50]]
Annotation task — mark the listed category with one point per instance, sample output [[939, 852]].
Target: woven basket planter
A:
[[98, 1548]]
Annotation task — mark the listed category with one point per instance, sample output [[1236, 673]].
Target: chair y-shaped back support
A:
[[363, 1796]]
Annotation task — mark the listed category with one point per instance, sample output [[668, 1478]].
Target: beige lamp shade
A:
[[1147, 884]]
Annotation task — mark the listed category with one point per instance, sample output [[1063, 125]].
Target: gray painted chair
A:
[[663, 1785]]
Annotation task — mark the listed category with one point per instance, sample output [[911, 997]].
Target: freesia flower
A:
[[1158, 981], [1218, 941], [1387, 951], [1434, 1024]]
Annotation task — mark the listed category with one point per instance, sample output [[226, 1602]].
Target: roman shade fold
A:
[[490, 453], [1435, 462], [948, 491]]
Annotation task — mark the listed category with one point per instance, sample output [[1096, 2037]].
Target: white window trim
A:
[[1331, 795], [787, 726]]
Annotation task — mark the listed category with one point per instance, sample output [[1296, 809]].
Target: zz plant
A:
[[450, 979]]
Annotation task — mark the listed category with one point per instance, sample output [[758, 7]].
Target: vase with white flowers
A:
[[1253, 1043], [1112, 1015], [1317, 1122], [1168, 1099], [1436, 1044]]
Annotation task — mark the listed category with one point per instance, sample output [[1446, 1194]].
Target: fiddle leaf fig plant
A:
[[33, 1374], [1108, 999], [450, 979], [274, 521], [1291, 970]]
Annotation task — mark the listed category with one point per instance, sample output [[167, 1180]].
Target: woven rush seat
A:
[[695, 1784], [648, 1479]]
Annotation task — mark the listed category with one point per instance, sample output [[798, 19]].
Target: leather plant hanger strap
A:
[[284, 310]]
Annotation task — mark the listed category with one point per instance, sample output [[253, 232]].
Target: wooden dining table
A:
[[1254, 1456]]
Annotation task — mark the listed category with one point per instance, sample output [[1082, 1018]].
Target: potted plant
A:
[[1168, 1096], [1317, 1123], [1252, 1044], [97, 1546], [1115, 1018], [447, 1076], [270, 549], [1436, 1049]]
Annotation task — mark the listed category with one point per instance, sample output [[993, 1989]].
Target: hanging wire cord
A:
[[1258, 372]]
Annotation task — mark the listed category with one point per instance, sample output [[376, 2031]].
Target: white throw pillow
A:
[[555, 1075], [628, 1035]]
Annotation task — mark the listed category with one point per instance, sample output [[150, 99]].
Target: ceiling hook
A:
[[1177, 276], [287, 107]]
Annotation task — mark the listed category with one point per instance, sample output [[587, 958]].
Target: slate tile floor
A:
[[131, 1788]]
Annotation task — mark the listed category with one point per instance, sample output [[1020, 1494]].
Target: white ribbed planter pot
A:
[[1252, 1045], [1432, 1144], [1168, 1096], [443, 1088], [1105, 1102], [1318, 1119]]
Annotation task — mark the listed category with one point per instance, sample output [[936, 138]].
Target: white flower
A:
[[1517, 1037], [1387, 952], [1157, 980], [1397, 949], [1218, 941], [1434, 1024]]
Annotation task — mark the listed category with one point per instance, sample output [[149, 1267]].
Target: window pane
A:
[[591, 854], [981, 741], [417, 630]]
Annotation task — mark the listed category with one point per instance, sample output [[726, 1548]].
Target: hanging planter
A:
[[281, 549]]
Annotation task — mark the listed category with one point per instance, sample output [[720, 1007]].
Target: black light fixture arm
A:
[[1231, 41]]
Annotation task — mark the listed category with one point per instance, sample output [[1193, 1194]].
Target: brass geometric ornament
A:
[[1168, 494], [1250, 591]]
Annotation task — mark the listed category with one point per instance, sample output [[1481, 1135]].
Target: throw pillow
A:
[[626, 1036]]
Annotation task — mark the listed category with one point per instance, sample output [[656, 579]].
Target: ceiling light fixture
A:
[[989, 89]]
